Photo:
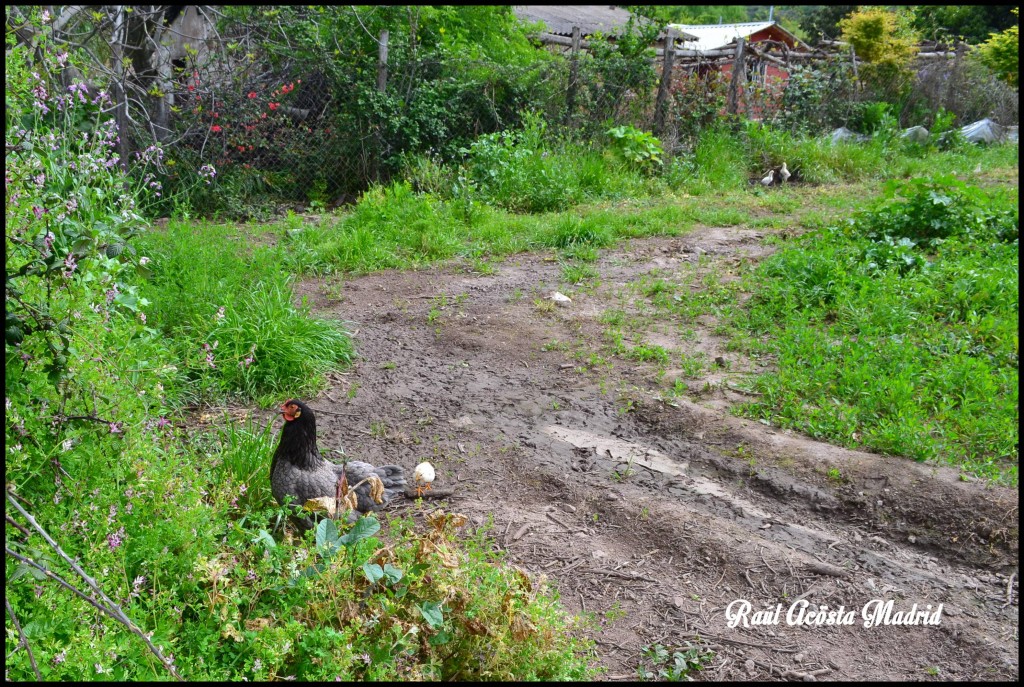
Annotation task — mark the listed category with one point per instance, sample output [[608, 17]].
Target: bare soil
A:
[[655, 513]]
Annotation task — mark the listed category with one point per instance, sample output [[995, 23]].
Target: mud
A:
[[655, 513]]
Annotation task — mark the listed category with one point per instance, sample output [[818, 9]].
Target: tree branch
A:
[[113, 610], [24, 640]]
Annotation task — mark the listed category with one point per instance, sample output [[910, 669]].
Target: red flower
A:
[[215, 128], [241, 149], [274, 106], [252, 94], [216, 115], [191, 87]]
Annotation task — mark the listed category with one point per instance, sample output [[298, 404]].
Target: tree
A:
[[823, 22], [693, 14], [1001, 54], [886, 41], [971, 23]]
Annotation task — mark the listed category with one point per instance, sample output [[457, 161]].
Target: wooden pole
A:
[[661, 104], [732, 104], [570, 96], [382, 62]]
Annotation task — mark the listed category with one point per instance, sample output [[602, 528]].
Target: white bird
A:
[[784, 173], [767, 181], [423, 476]]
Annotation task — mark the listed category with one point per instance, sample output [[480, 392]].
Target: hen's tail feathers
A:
[[393, 476]]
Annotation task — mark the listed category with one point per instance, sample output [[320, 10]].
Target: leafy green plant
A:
[[928, 210], [673, 666], [638, 149], [1001, 53]]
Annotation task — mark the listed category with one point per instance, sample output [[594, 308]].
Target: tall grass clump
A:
[[720, 162], [898, 332], [229, 315]]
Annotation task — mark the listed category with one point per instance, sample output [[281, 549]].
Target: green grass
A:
[[228, 312], [898, 347]]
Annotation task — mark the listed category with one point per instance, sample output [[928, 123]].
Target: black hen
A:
[[299, 471]]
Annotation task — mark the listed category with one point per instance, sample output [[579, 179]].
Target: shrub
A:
[[1001, 53], [638, 149], [886, 41], [928, 210]]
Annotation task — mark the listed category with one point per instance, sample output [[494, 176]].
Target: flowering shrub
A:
[[70, 212], [248, 144]]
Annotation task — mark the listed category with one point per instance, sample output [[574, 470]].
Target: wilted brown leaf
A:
[[254, 624], [524, 580], [230, 631], [522, 628], [475, 627]]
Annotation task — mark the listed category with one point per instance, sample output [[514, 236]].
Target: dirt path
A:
[[655, 515]]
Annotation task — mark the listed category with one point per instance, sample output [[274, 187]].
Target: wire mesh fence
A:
[[312, 104]]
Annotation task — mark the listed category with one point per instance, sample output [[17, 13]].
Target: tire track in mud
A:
[[654, 518]]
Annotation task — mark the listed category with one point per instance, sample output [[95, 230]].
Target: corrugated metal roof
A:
[[606, 19], [714, 36]]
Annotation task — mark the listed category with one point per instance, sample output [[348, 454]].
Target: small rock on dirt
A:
[[561, 299]]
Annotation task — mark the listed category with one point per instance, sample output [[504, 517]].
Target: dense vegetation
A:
[[894, 332]]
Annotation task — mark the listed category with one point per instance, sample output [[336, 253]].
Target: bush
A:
[[638, 149], [1001, 53], [928, 210]]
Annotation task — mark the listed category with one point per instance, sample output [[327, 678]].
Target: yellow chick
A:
[[422, 477]]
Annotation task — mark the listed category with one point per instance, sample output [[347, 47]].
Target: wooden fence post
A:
[[853, 61], [570, 96], [732, 104], [382, 62], [661, 103]]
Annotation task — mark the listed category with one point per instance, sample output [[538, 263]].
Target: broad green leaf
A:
[[364, 527], [431, 612], [373, 572], [440, 638], [327, 537], [264, 538], [392, 573]]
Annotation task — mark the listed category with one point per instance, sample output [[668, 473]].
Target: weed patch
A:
[[905, 346]]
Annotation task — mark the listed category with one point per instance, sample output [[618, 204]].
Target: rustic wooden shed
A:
[[560, 20], [713, 41]]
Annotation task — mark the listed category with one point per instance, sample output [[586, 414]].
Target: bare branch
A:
[[113, 609], [69, 13], [24, 640]]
